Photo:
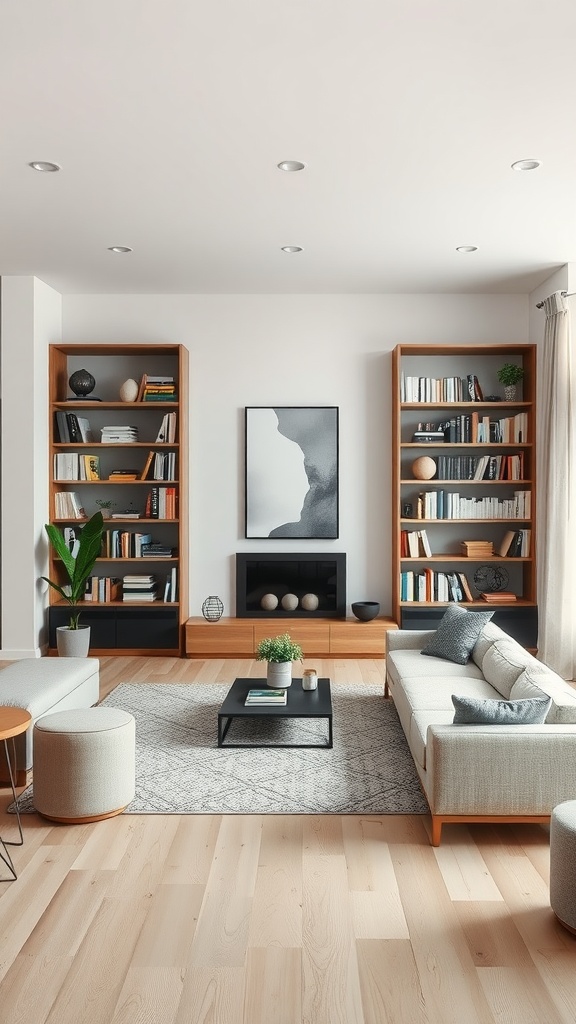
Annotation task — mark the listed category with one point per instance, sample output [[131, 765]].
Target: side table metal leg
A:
[[5, 856]]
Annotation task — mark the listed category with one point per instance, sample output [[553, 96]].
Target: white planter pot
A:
[[279, 675], [73, 643]]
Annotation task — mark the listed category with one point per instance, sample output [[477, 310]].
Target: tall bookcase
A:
[[454, 508], [118, 626]]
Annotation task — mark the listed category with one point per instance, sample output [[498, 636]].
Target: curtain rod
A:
[[565, 294]]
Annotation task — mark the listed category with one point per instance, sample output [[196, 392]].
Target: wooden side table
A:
[[13, 721]]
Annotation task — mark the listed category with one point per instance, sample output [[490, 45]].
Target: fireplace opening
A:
[[300, 575]]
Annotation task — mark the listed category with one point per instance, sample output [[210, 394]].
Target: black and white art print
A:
[[292, 472]]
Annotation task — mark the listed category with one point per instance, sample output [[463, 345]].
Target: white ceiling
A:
[[168, 118]]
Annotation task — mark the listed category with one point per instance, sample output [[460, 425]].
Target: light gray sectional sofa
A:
[[472, 773]]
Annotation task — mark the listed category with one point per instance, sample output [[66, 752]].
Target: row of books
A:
[[161, 503], [516, 544], [475, 429], [159, 466], [130, 544], [103, 588], [156, 388], [429, 585], [67, 505], [414, 544], [452, 505], [73, 466], [440, 389], [72, 429], [483, 467]]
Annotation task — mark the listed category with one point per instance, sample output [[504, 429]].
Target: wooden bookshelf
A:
[[455, 490], [124, 627]]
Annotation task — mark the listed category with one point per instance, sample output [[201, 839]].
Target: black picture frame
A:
[[291, 472]]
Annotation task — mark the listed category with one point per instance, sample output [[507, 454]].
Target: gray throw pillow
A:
[[458, 631], [473, 711]]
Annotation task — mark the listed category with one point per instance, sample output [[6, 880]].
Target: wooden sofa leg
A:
[[386, 690], [436, 830]]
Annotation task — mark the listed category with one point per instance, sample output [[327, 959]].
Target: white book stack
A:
[[119, 435]]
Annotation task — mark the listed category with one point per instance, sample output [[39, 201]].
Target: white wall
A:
[[31, 319], [292, 350]]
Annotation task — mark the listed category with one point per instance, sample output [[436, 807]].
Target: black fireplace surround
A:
[[299, 574]]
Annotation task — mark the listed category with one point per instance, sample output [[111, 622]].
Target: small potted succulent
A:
[[510, 375], [105, 505], [279, 652]]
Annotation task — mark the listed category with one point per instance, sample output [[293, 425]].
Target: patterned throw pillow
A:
[[458, 631], [473, 711]]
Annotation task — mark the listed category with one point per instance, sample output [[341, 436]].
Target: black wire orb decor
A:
[[212, 609], [490, 578]]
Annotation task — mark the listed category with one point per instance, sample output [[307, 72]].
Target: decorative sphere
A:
[[269, 602], [289, 602], [424, 468], [310, 602], [81, 382], [212, 609], [129, 391]]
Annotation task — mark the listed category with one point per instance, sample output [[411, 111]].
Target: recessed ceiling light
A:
[[291, 165], [466, 248], [526, 165], [44, 165], [291, 248], [119, 248]]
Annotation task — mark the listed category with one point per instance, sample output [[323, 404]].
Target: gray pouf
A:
[[84, 764], [563, 863]]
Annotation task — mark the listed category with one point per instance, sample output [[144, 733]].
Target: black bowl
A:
[[366, 610]]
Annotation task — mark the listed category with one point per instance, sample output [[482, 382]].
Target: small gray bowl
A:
[[366, 610]]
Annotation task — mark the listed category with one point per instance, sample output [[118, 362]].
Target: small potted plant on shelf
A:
[[105, 505], [73, 640], [279, 652], [510, 375]]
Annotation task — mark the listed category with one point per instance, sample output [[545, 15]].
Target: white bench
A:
[[42, 685]]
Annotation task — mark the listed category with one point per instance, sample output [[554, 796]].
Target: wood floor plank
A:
[[463, 868], [31, 986], [190, 856], [273, 986], [149, 996], [375, 902], [517, 996], [389, 983], [221, 936], [235, 863], [491, 935], [276, 917], [142, 865], [212, 995], [167, 933], [106, 844], [68, 915], [558, 973]]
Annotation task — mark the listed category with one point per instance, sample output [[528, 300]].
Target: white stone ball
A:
[[310, 602], [424, 468], [289, 602], [129, 391], [269, 602]]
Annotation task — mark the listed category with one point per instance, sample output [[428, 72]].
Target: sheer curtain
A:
[[556, 504]]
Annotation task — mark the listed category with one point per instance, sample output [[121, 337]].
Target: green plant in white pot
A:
[[73, 639], [510, 375], [279, 652]]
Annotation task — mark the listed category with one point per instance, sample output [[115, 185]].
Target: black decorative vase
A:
[[212, 609], [366, 610], [81, 382]]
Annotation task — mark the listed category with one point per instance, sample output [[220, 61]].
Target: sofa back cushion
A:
[[537, 679], [489, 634], [502, 664]]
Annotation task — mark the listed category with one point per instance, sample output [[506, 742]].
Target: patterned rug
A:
[[181, 770]]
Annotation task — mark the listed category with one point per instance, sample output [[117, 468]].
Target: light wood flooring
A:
[[276, 919]]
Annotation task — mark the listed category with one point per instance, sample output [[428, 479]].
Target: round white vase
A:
[[279, 675], [129, 391]]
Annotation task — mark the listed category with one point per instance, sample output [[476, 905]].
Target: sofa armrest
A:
[[407, 639], [497, 769]]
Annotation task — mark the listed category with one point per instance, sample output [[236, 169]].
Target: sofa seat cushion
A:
[[37, 684], [419, 723], [537, 679], [420, 694], [502, 664], [401, 665]]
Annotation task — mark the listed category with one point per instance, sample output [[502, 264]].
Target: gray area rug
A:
[[181, 770]]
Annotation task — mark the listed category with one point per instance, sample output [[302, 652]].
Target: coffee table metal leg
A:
[[19, 842], [223, 731], [330, 734]]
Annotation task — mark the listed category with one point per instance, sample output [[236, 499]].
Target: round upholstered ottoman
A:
[[563, 863], [84, 764]]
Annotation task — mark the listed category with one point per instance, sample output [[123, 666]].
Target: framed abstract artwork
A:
[[292, 472]]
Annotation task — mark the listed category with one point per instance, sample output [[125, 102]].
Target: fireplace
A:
[[323, 575]]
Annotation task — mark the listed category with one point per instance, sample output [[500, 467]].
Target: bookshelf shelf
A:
[[449, 371], [123, 626]]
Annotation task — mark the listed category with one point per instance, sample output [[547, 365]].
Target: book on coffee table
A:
[[266, 697]]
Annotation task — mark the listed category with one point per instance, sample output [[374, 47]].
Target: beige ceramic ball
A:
[[310, 602], [289, 602], [269, 602], [424, 468]]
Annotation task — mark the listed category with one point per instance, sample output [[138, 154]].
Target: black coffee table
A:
[[300, 704]]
